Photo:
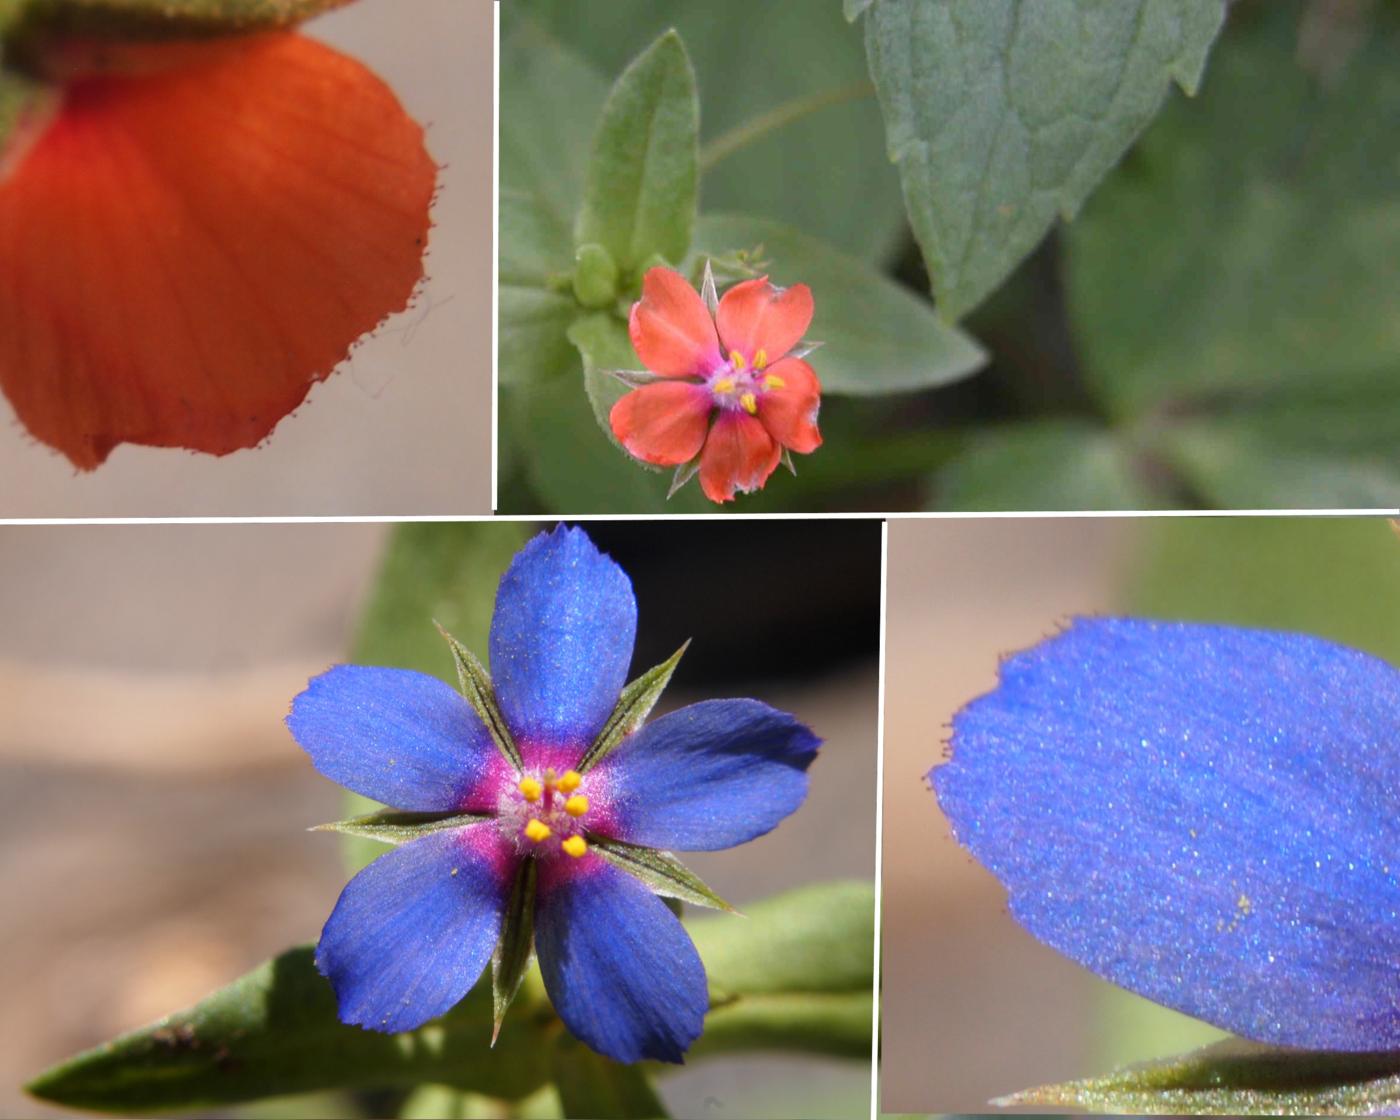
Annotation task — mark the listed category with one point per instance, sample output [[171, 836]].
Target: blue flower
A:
[[1207, 816], [413, 931]]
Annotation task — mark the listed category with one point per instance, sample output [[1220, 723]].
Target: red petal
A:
[[739, 455], [756, 316], [671, 327], [183, 254], [790, 413], [663, 423]]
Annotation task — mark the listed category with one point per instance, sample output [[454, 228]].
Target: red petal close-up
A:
[[671, 328], [756, 316], [789, 412], [663, 423], [184, 253], [739, 455]]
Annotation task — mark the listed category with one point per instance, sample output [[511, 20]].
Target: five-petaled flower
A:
[[731, 392], [193, 233], [1206, 815], [413, 931]]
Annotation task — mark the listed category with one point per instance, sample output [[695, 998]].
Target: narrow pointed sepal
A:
[[661, 871], [511, 960], [684, 473], [475, 683], [393, 826], [633, 707]]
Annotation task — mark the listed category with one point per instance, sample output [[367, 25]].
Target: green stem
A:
[[726, 144]]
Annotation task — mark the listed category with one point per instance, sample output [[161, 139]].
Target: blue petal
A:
[[619, 968], [413, 930], [708, 776], [561, 640], [403, 738], [1204, 815]]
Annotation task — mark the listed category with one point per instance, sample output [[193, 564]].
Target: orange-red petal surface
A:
[[756, 316], [671, 327], [183, 254], [739, 455], [663, 423], [790, 412]]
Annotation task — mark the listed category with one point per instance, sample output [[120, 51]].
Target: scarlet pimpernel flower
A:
[[538, 800], [196, 223], [728, 393], [1205, 815]]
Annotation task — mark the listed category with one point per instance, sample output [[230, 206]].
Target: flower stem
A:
[[726, 144]]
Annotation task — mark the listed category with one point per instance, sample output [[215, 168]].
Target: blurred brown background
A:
[[402, 428], [153, 809]]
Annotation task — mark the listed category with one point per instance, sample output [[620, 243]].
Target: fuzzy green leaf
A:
[[877, 336], [1236, 1078], [476, 686], [1003, 114], [633, 707], [513, 951], [642, 181], [396, 826], [592, 1087], [661, 871]]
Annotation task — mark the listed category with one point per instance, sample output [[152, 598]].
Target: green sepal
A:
[[154, 20], [394, 826], [476, 686], [661, 871], [633, 707], [592, 1086], [511, 959], [595, 276]]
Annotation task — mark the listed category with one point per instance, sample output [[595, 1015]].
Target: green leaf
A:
[[592, 1087], [753, 62], [601, 341], [533, 334], [1236, 1078], [661, 871], [642, 181], [160, 19], [1249, 248], [1002, 114], [511, 958], [854, 9], [633, 707], [275, 1032], [476, 686], [1046, 465], [877, 336], [397, 826]]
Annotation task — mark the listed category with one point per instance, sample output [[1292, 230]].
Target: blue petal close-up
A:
[[708, 776], [561, 639], [620, 969], [400, 737], [1208, 816], [412, 932]]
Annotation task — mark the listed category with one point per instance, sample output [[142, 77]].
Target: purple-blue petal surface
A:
[[619, 968], [708, 776], [561, 640], [1207, 816], [400, 737], [413, 930]]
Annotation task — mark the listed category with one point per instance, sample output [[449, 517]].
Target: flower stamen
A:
[[575, 846], [736, 360], [724, 385], [570, 781], [530, 789], [537, 830], [773, 381], [760, 360], [576, 806], [750, 403]]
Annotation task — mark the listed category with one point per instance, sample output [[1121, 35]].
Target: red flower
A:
[[197, 236], [730, 389]]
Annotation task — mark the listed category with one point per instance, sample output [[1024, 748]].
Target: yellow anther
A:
[[773, 381], [576, 806], [760, 359], [724, 385], [571, 780], [736, 360], [575, 846], [530, 789], [750, 403], [537, 830]]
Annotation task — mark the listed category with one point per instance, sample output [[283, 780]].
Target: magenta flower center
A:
[[544, 814], [741, 383]]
